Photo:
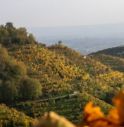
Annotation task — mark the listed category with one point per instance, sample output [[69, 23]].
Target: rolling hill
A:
[[35, 79], [115, 51], [63, 72], [67, 78], [112, 57]]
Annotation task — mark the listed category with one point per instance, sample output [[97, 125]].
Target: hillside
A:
[[112, 57], [70, 106], [59, 74], [95, 68], [114, 62], [35, 79], [59, 77], [93, 116], [10, 117], [50, 68], [115, 51], [91, 66]]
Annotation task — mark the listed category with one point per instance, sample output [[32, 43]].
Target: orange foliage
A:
[[95, 118]]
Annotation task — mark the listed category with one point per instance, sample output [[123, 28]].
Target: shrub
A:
[[8, 91], [30, 88]]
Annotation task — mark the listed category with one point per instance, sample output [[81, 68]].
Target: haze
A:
[[49, 13]]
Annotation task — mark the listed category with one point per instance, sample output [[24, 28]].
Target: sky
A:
[[49, 13]]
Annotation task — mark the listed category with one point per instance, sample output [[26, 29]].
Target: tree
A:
[[14, 82], [31, 39], [10, 68], [8, 91], [11, 35], [9, 25], [30, 88], [11, 72], [60, 42]]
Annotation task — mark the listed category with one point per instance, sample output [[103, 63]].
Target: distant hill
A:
[[112, 57], [85, 39], [115, 51]]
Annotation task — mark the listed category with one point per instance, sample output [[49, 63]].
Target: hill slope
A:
[[70, 106], [112, 57], [114, 62], [95, 68], [59, 76], [55, 78], [115, 51], [11, 117], [60, 73]]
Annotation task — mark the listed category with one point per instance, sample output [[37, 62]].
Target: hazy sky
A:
[[42, 13]]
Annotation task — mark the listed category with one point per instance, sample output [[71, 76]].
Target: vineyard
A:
[[93, 116], [111, 61], [63, 105], [62, 75], [54, 71], [88, 64], [35, 79], [94, 67]]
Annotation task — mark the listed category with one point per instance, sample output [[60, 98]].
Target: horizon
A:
[[85, 25]]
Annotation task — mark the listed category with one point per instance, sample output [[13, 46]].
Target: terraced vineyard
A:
[[97, 69], [69, 106], [114, 62], [35, 79], [55, 72], [61, 75], [88, 64]]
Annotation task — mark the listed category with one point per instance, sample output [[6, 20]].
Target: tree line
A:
[[12, 35], [15, 84]]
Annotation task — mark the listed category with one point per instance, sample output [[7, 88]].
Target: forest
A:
[[36, 79]]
